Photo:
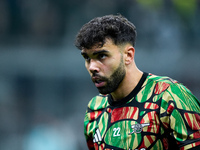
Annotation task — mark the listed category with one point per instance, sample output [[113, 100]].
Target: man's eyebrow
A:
[[95, 53], [101, 51]]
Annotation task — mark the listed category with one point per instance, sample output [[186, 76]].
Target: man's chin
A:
[[104, 91]]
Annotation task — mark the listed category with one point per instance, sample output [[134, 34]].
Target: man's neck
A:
[[127, 85]]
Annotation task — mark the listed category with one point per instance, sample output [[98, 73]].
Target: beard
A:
[[114, 80]]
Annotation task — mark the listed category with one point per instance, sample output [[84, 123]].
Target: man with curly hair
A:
[[135, 110]]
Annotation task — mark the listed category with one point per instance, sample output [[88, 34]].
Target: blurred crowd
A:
[[51, 20]]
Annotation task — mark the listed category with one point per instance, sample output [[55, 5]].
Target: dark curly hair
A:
[[116, 27]]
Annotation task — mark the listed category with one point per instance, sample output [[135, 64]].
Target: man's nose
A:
[[93, 66]]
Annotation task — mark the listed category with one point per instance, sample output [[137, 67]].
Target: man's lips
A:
[[98, 81], [100, 84]]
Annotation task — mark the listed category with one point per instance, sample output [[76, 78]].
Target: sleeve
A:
[[180, 113], [88, 137]]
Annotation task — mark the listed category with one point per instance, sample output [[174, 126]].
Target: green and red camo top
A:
[[159, 114]]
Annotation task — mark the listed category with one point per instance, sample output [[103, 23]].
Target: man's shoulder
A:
[[163, 79], [175, 89], [167, 81], [98, 102], [163, 83]]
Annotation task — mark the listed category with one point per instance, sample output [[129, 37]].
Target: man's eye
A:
[[102, 56]]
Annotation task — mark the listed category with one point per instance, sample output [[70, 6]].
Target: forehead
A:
[[107, 46]]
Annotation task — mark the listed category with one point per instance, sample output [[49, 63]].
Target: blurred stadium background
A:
[[44, 87]]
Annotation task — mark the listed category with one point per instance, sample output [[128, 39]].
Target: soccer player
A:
[[135, 110]]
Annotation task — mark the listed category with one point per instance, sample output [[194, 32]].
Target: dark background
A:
[[44, 86]]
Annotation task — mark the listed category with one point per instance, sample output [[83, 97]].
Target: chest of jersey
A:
[[128, 127]]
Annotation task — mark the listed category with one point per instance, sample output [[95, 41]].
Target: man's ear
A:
[[129, 54]]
